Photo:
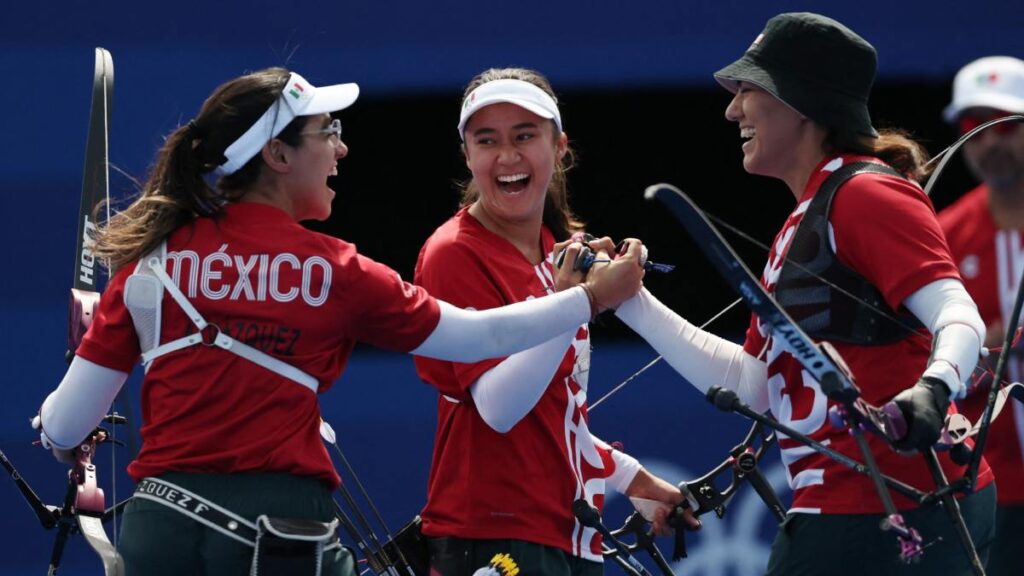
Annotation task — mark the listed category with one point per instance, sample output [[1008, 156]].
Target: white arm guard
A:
[[626, 468], [948, 312], [704, 359], [507, 392], [75, 408], [473, 335]]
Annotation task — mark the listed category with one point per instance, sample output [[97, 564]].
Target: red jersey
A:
[[991, 262], [884, 228], [297, 295], [521, 484]]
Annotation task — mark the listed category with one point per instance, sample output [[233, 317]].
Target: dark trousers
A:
[[841, 544], [463, 557], [1006, 556], [156, 540]]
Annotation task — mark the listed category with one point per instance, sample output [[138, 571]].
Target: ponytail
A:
[[895, 147], [177, 191]]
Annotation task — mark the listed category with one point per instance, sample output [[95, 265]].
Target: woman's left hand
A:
[[566, 275], [651, 487]]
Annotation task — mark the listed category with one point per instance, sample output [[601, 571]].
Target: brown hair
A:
[[176, 191], [893, 146], [558, 217]]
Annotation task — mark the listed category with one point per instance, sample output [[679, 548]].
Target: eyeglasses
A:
[[332, 130], [969, 122]]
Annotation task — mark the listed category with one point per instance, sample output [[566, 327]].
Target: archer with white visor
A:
[[241, 317], [512, 436]]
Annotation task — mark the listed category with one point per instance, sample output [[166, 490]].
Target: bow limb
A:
[[85, 500], [88, 507]]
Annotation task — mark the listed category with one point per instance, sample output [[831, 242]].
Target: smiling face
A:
[[778, 141], [512, 154], [313, 161]]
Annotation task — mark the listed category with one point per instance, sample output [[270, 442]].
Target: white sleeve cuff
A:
[[473, 335], [946, 309], [626, 468], [705, 360], [75, 408], [507, 392]]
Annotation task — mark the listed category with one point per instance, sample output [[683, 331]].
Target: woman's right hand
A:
[[614, 282]]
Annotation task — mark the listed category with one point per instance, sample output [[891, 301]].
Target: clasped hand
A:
[[614, 276]]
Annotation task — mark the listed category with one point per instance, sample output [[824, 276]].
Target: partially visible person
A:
[[513, 448], [241, 317], [983, 229], [860, 225]]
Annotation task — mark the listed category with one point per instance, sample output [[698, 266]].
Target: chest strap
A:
[[210, 335]]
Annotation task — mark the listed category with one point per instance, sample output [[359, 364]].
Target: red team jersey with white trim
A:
[[302, 297], [991, 262], [885, 229], [519, 485]]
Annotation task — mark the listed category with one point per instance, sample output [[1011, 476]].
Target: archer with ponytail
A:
[[241, 317], [512, 434]]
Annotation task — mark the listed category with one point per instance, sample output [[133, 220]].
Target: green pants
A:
[[156, 540], [847, 544], [463, 557]]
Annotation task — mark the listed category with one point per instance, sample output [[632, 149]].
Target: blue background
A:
[[168, 56]]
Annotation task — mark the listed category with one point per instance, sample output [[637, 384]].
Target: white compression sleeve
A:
[[75, 408], [946, 309], [507, 392], [472, 335], [626, 467], [702, 358]]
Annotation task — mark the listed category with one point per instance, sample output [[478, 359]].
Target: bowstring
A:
[[657, 359]]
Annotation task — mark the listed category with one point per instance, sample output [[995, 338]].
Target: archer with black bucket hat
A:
[[861, 225]]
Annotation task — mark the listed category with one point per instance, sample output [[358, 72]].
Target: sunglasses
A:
[[969, 122]]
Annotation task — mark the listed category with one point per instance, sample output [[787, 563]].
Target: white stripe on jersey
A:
[[804, 511], [809, 477]]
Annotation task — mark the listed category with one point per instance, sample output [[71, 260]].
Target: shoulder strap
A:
[[210, 334], [829, 300]]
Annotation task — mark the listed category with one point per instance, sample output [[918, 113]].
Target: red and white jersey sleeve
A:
[[885, 229], [302, 297], [991, 262], [521, 484]]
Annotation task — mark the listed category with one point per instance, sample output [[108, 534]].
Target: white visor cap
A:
[[298, 98], [518, 92], [992, 82]]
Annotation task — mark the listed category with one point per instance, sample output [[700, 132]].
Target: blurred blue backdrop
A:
[[168, 56]]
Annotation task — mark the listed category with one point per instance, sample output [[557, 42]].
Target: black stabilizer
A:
[[960, 454], [767, 494], [724, 400], [675, 520], [586, 514]]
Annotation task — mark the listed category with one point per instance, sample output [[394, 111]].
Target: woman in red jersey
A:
[[241, 317], [800, 101], [513, 450]]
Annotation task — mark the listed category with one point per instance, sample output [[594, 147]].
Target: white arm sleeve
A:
[[473, 335], [626, 467], [75, 408], [946, 309], [507, 392], [704, 359]]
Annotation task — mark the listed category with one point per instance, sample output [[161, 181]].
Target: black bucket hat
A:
[[815, 65]]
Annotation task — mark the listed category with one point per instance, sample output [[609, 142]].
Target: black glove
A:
[[924, 407]]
